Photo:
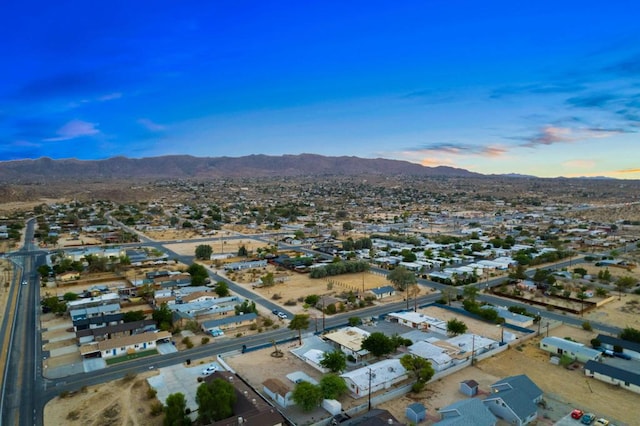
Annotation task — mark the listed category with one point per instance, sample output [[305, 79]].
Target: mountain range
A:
[[188, 167]]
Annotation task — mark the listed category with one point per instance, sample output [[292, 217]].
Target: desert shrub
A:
[[587, 326], [290, 302], [187, 342], [73, 415], [267, 322], [276, 296], [151, 393], [156, 408], [253, 326], [204, 340], [238, 334]]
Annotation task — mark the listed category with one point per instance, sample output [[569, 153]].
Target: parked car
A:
[[210, 369], [588, 418], [275, 312], [621, 355], [282, 315], [576, 414], [601, 422]]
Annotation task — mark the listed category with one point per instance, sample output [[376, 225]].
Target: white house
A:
[[375, 377]]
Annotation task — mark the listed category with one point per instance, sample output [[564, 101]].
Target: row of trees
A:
[[338, 268]]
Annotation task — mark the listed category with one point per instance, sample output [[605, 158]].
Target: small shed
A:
[[416, 412], [469, 387]]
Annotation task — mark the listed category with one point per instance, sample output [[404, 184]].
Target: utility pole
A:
[[370, 374], [322, 314]]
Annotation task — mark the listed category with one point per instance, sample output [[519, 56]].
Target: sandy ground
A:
[[124, 402], [295, 287], [218, 246]]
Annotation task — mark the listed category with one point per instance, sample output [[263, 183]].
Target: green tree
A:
[[175, 411], [347, 226], [307, 396], [44, 270], [335, 361], [163, 317], [630, 334], [470, 292], [420, 367], [70, 296], [378, 344], [222, 289], [312, 299], [625, 283], [456, 327], [268, 280], [401, 277], [203, 252], [199, 274], [133, 316], [333, 386], [242, 251], [215, 400], [299, 322]]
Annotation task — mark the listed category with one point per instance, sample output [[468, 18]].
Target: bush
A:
[[187, 342], [276, 296], [618, 348], [267, 322], [204, 340], [151, 393], [156, 408], [290, 302], [73, 415], [596, 343], [253, 326], [587, 326]]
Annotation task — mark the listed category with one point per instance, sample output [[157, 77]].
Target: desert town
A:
[[332, 307]]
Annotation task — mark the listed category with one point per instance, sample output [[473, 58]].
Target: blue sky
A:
[[546, 88]]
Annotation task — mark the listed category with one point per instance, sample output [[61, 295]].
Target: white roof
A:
[[381, 372], [428, 351], [467, 342], [314, 355]]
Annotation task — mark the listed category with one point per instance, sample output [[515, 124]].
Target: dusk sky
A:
[[545, 88]]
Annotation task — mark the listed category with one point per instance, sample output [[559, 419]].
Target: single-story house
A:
[[97, 322], [381, 375], [124, 345], [514, 318], [279, 392], [466, 412], [249, 406], [313, 357], [438, 356], [228, 322], [613, 375], [418, 320], [515, 400], [250, 264], [94, 311], [382, 292], [577, 351], [349, 340], [113, 331]]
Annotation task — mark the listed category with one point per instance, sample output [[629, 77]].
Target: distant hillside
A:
[[184, 166]]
